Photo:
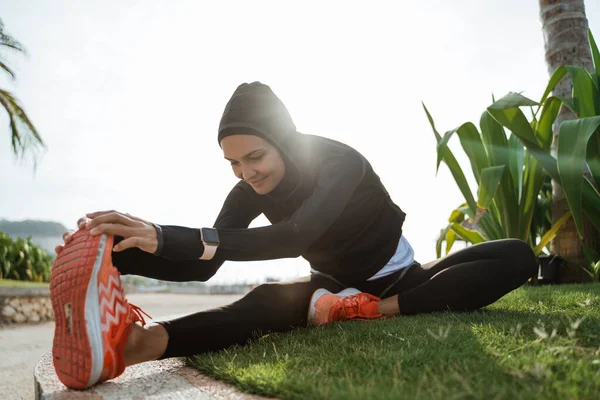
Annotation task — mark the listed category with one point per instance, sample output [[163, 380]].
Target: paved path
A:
[[21, 347]]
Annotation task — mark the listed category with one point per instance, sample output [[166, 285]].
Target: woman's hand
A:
[[68, 236], [135, 231]]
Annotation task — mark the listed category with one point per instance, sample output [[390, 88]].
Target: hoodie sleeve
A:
[[337, 180], [182, 247]]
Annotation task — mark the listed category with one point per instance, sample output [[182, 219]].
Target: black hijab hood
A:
[[255, 110]]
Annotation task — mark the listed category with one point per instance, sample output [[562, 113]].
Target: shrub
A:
[[20, 259]]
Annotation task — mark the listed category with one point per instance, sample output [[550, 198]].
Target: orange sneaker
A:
[[92, 317], [326, 307]]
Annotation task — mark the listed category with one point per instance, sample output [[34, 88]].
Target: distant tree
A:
[[24, 136], [32, 227]]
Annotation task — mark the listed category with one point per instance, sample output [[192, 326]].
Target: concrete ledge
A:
[[166, 379], [20, 305], [7, 291]]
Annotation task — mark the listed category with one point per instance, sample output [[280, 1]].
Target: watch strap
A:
[[209, 249]]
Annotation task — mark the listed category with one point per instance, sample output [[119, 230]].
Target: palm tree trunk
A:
[[565, 29]]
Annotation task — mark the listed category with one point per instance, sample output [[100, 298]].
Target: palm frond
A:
[[24, 135], [7, 69], [8, 41], [12, 45]]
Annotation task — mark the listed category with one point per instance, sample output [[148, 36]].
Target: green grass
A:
[[534, 343], [14, 283]]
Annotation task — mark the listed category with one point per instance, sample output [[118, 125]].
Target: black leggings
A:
[[467, 279]]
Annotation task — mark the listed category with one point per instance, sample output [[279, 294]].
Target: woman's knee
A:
[[520, 256], [274, 294], [281, 304]]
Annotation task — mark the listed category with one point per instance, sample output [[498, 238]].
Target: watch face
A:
[[210, 236]]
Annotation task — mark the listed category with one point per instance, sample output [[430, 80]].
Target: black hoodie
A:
[[331, 207]]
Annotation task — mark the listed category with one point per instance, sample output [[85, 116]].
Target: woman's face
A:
[[255, 161]]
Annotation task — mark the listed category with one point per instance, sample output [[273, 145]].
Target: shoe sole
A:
[[312, 311], [78, 353]]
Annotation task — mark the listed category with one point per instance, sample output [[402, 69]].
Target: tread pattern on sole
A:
[[85, 284], [69, 280]]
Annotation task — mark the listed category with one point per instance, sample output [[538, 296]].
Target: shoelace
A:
[[348, 306], [137, 312]]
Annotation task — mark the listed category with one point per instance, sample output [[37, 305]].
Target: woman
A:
[[325, 203]]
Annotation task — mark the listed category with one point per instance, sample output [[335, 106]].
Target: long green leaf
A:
[[472, 145], [438, 138], [490, 179], [458, 214], [573, 139], [441, 238], [541, 220], [435, 132], [507, 112], [525, 134], [460, 179], [593, 157], [544, 127], [494, 138], [585, 92], [595, 57], [513, 100], [467, 234], [516, 164], [591, 203], [471, 142], [454, 167], [450, 238], [491, 227], [591, 256], [556, 77], [494, 211], [441, 147], [552, 232], [532, 184]]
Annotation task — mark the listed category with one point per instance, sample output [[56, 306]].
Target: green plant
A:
[[24, 136], [514, 192], [20, 259], [578, 147], [593, 263]]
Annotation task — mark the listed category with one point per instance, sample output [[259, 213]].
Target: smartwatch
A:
[[210, 240]]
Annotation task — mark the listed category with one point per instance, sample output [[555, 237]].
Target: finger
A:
[[67, 236], [112, 218], [114, 229], [127, 244], [135, 218], [98, 213], [135, 241], [81, 222], [58, 249]]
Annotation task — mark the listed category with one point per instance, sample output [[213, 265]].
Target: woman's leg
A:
[[271, 307], [145, 344], [468, 279]]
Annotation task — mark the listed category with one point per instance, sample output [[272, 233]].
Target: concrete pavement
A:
[[22, 346]]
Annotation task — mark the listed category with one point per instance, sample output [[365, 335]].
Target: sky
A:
[[127, 96]]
